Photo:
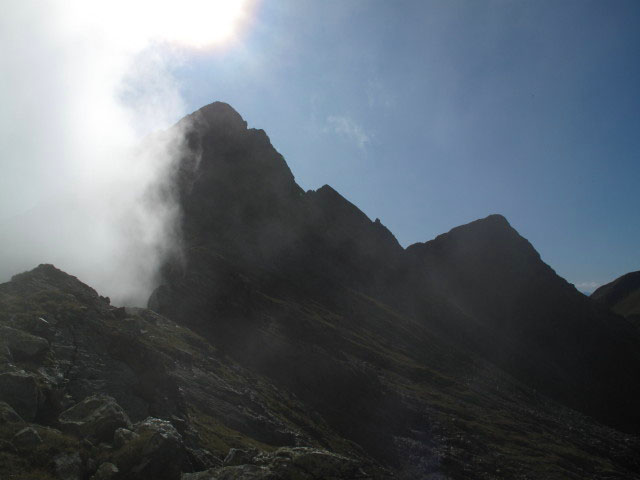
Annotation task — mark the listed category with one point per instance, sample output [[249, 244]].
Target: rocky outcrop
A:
[[128, 388], [154, 451], [22, 345], [26, 438], [20, 390], [8, 415], [96, 417], [106, 471]]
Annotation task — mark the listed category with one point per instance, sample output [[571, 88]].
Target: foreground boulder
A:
[[20, 390], [22, 345], [105, 471], [95, 417], [8, 415], [156, 451], [27, 438]]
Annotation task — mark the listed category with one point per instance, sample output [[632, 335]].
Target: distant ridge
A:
[[622, 296]]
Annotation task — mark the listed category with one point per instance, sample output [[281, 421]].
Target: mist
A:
[[85, 181]]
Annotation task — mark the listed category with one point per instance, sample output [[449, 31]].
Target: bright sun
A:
[[197, 23], [132, 23]]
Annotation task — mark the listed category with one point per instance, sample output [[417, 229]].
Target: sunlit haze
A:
[[190, 23], [426, 114], [84, 83]]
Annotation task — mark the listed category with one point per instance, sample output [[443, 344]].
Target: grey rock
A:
[[20, 390], [202, 459], [163, 452], [303, 462], [23, 345], [8, 414], [68, 466], [97, 417], [123, 435], [5, 354], [7, 447], [160, 427], [239, 457], [105, 471], [27, 438], [91, 465]]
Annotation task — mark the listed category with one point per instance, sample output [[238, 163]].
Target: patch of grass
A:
[[127, 456], [36, 462], [218, 438]]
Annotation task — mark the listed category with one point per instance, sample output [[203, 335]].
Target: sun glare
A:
[[198, 23], [188, 23]]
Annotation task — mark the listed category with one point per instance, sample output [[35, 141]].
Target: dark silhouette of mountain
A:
[[302, 286], [622, 296], [532, 323], [295, 338]]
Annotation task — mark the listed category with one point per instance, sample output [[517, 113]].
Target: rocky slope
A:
[[93, 391], [622, 296], [88, 390]]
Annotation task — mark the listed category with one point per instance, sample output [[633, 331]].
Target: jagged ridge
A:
[[296, 338]]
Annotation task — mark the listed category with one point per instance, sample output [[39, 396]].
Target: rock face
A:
[[20, 390], [22, 345], [622, 296], [8, 415], [27, 438], [96, 417], [296, 339], [132, 390], [305, 289], [533, 324]]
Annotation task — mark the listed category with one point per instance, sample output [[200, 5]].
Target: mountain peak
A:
[[48, 276], [493, 222], [218, 114], [490, 234], [495, 219]]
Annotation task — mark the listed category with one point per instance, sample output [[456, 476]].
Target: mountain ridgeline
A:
[[622, 296], [294, 338], [277, 276], [252, 236]]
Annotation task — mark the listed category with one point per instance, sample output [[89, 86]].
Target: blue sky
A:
[[430, 114], [425, 114]]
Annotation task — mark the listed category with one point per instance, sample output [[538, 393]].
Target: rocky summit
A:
[[295, 338]]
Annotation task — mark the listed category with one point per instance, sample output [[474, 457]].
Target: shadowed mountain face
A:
[[303, 288], [532, 323], [622, 296], [295, 338]]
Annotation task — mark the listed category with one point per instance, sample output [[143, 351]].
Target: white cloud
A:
[[348, 128], [83, 81]]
